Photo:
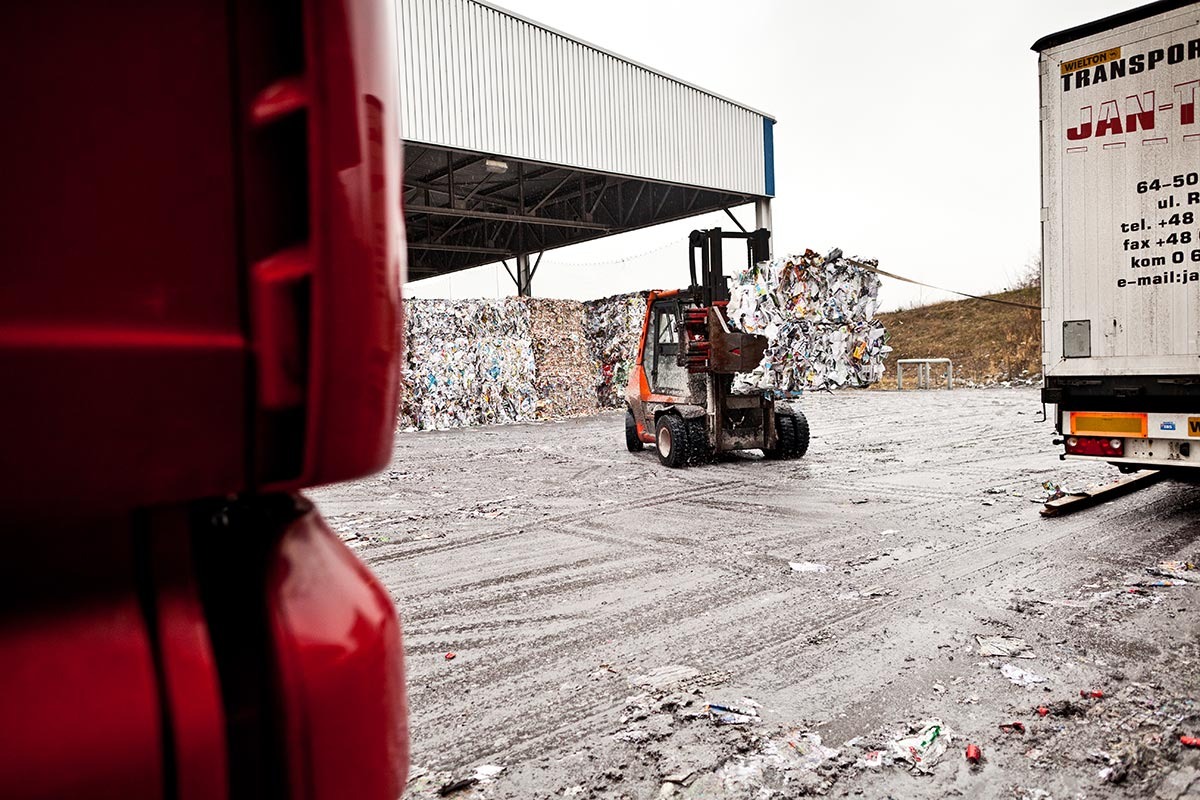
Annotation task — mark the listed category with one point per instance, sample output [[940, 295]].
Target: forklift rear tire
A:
[[698, 440], [631, 434], [671, 440]]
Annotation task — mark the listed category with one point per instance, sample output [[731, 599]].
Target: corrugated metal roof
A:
[[476, 77]]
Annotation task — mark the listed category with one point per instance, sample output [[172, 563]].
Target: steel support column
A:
[[524, 276], [762, 213]]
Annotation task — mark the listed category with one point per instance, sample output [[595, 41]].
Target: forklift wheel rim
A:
[[664, 440]]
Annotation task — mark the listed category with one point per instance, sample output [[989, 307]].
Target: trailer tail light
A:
[[1095, 446]]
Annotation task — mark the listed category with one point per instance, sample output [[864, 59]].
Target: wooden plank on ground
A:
[[1074, 502]]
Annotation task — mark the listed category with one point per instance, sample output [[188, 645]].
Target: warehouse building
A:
[[519, 139]]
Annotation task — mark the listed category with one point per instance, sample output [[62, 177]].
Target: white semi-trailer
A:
[[1121, 236]]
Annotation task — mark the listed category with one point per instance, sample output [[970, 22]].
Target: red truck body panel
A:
[[203, 249], [199, 316]]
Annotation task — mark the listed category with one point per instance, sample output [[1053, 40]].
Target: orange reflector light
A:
[[1108, 423]]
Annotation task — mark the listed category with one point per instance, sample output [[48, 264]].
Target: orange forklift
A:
[[680, 393]]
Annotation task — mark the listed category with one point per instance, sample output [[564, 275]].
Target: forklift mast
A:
[[713, 286]]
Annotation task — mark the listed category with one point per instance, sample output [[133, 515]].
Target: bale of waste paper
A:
[[613, 326], [563, 364], [467, 362], [818, 313]]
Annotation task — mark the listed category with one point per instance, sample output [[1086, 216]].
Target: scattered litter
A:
[[1096, 693], [1182, 572], [858, 501], [486, 772], [973, 753], [1042, 711], [1190, 741], [807, 566], [451, 656], [923, 750], [1156, 583], [1013, 727], [1053, 492], [1020, 676], [1004, 647], [810, 753], [1118, 765], [818, 314], [744, 714], [889, 532]]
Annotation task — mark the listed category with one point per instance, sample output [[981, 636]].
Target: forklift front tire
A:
[[632, 441], [671, 440], [785, 437], [801, 434]]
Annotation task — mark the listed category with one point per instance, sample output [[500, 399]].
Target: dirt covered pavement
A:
[[776, 629]]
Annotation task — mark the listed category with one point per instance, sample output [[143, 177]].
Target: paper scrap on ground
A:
[[1020, 676], [808, 566], [744, 712], [922, 750], [1004, 646], [1184, 571]]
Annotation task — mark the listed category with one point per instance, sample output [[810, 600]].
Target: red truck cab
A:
[[199, 317]]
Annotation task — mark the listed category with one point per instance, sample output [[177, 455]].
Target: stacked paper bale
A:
[[467, 362], [565, 369], [614, 326], [819, 314]]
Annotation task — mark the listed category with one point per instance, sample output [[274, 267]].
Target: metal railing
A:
[[924, 380]]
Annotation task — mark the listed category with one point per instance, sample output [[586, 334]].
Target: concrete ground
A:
[[597, 603]]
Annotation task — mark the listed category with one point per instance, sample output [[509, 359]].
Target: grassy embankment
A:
[[988, 342]]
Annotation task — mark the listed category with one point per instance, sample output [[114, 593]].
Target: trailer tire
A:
[[632, 442], [671, 440], [801, 433]]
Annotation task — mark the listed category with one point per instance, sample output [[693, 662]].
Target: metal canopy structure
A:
[[519, 139]]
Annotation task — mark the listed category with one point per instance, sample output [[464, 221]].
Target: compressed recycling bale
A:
[[564, 367], [819, 314], [477, 362], [467, 362], [614, 327]]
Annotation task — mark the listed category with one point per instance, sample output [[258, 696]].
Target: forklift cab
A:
[[664, 372]]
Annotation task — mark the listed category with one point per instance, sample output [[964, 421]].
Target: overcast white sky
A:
[[907, 132]]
